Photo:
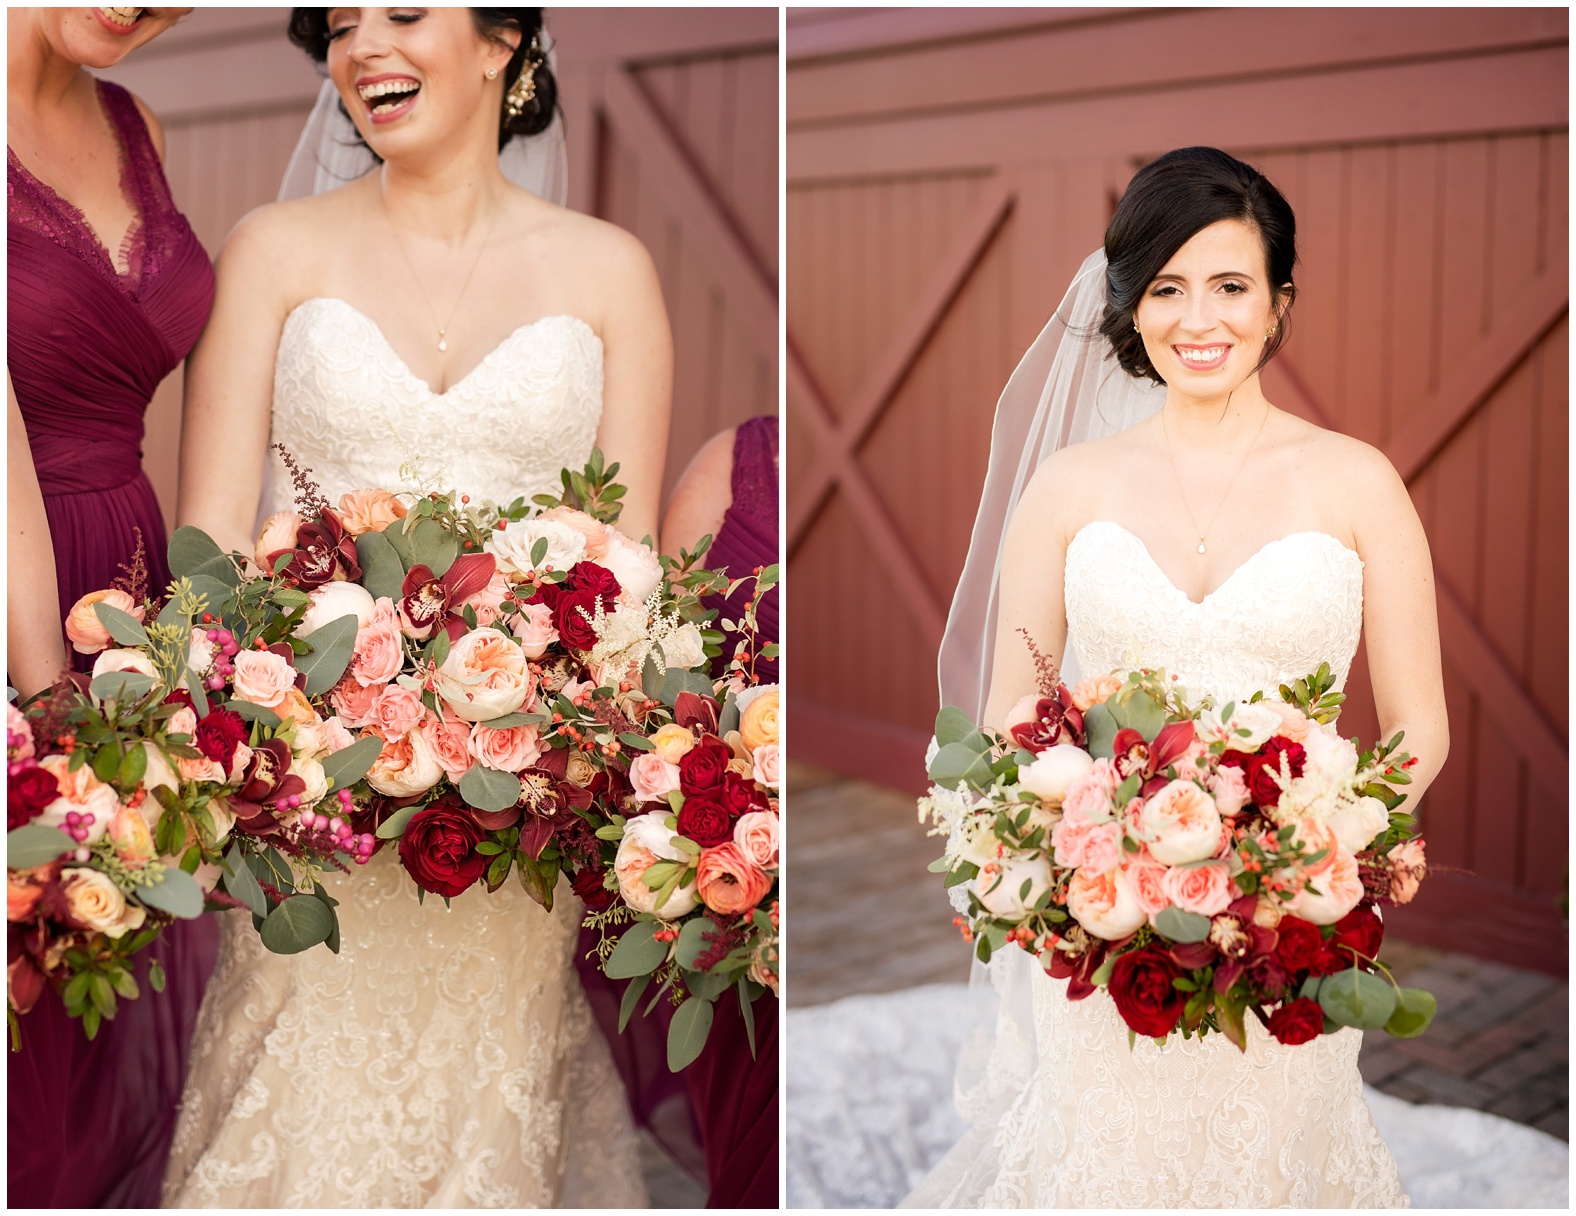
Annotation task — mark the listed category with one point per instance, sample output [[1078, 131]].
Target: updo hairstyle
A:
[[1168, 202], [309, 31]]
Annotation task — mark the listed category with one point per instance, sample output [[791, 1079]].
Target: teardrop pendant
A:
[[443, 343], [1201, 546]]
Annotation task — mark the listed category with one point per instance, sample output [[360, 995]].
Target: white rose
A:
[[199, 655], [1104, 903], [743, 699], [1355, 824], [1054, 770], [648, 839], [223, 820], [512, 546], [1005, 898], [334, 600], [124, 660], [684, 647], [1260, 721], [159, 773], [311, 772], [1327, 752], [634, 565]]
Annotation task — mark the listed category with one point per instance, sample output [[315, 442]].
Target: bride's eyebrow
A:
[[1224, 274]]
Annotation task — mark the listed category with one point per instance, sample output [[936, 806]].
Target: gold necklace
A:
[[1166, 437], [443, 330]]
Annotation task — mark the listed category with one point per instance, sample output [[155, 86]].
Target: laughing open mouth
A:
[[124, 17], [388, 95]]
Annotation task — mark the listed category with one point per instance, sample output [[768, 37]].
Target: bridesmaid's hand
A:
[[35, 647]]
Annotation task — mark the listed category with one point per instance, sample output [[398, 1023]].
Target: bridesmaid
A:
[[108, 290]]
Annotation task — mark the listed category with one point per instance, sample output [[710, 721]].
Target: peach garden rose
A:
[[83, 629]]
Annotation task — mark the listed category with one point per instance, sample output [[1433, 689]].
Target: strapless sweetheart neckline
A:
[[504, 344], [1250, 560]]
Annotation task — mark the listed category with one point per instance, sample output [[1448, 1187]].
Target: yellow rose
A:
[[673, 742], [758, 719]]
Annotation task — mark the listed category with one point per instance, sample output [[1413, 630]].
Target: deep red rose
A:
[[702, 768], [1362, 931], [705, 821], [27, 794], [1299, 1021], [588, 886], [438, 848], [741, 795], [219, 734], [1265, 788], [1301, 947], [599, 580], [1142, 989], [570, 618]]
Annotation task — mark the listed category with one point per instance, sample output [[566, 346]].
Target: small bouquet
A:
[[1199, 863]]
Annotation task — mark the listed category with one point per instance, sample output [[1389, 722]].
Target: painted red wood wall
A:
[[949, 169]]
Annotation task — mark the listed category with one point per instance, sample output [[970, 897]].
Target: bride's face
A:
[[1205, 317], [415, 78]]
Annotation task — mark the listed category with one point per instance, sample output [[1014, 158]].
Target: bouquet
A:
[[1198, 863]]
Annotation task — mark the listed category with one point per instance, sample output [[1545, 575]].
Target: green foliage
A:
[[297, 924], [34, 844], [687, 1033], [332, 647], [638, 952], [487, 789], [1356, 998]]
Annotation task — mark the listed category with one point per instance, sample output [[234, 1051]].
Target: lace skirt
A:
[[1064, 1114], [444, 1058]]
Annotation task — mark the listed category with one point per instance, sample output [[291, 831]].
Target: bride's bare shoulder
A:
[[1355, 473], [1056, 496]]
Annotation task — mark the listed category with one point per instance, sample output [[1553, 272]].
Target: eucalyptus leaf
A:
[[34, 844], [1137, 710], [515, 719], [393, 827], [953, 725], [178, 894], [241, 883], [121, 686], [677, 681], [192, 551], [382, 572], [632, 992], [638, 952], [692, 942], [687, 1033], [123, 627], [320, 892], [1181, 926], [1100, 728], [350, 764], [1414, 1010], [431, 545], [488, 789], [706, 985], [728, 719], [1356, 998], [298, 924], [260, 714], [332, 647], [956, 762]]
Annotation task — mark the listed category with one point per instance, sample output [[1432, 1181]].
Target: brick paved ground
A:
[[1500, 1042]]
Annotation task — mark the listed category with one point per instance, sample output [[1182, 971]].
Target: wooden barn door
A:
[[932, 232]]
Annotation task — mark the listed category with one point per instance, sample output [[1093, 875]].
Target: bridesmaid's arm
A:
[[35, 648], [702, 496], [229, 387], [637, 385], [1400, 620]]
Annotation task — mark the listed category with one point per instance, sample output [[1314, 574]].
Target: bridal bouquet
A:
[[126, 784], [1199, 863]]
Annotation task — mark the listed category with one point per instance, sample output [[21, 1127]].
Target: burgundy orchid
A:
[[267, 783], [1133, 754], [1235, 945], [323, 552], [1056, 720], [427, 601]]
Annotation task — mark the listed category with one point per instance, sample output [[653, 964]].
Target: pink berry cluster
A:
[[228, 648], [77, 825], [344, 836]]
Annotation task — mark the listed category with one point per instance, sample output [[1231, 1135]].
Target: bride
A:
[[430, 311], [1197, 528]]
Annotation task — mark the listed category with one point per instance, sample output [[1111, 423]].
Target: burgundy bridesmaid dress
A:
[[90, 1123], [732, 1095]]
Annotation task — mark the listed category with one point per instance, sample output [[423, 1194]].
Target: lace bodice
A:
[[347, 407], [1294, 604]]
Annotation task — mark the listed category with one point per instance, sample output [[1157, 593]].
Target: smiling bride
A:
[[429, 308]]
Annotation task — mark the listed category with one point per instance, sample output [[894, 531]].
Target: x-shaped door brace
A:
[[835, 461]]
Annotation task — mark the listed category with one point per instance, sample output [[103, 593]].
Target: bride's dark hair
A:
[[309, 31], [1168, 202]]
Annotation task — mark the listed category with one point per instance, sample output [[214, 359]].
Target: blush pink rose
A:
[[263, 677], [756, 836], [449, 740], [488, 602], [1312, 836], [1407, 868], [1294, 723], [1089, 797], [380, 647], [1330, 894], [86, 634], [766, 765], [369, 510], [1205, 889], [509, 750], [353, 700], [79, 791], [19, 733], [279, 532], [396, 711], [594, 530], [653, 777], [1230, 790], [1180, 824], [728, 882], [533, 625], [1080, 843], [1146, 877]]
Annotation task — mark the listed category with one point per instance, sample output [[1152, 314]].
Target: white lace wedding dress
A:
[[444, 1057], [1064, 1114]]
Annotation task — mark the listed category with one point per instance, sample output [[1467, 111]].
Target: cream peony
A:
[[1054, 771], [334, 600], [648, 839], [485, 676], [1180, 824], [311, 772], [1104, 904], [124, 660], [513, 543], [999, 885], [1355, 824], [406, 766]]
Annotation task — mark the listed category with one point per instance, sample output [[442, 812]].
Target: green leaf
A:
[[728, 719], [298, 924], [1356, 998], [432, 546], [34, 844], [1181, 926], [956, 762], [538, 552], [638, 952], [90, 1024], [102, 994], [636, 742], [155, 976], [76, 991], [1101, 729], [438, 650], [393, 827], [260, 714], [123, 627], [382, 572], [1102, 973], [133, 767], [677, 681], [125, 985], [964, 871], [241, 883], [487, 789], [707, 985], [192, 551], [178, 894], [746, 1001], [691, 944], [632, 993], [121, 686], [952, 725], [350, 764], [332, 647], [1414, 1010], [106, 762], [329, 902], [687, 1033]]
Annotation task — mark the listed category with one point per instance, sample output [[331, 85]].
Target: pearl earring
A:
[[492, 73], [1135, 326]]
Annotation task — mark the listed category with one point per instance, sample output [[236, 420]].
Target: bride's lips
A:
[[1202, 358], [376, 91], [115, 27]]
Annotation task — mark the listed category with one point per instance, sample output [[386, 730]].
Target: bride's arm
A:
[[1030, 592], [35, 651], [637, 381], [229, 387], [1400, 620]]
